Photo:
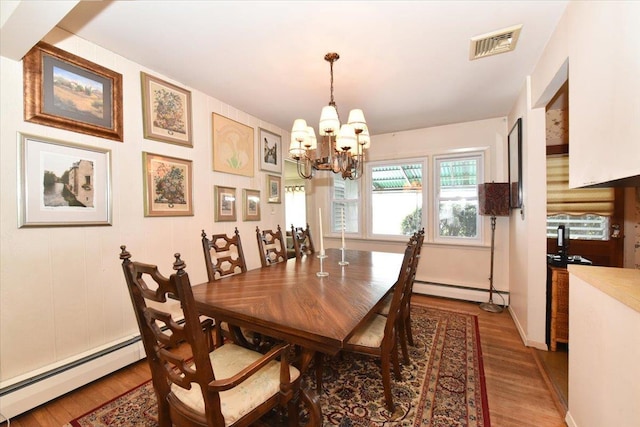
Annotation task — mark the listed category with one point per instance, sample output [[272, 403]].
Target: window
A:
[[586, 212], [456, 204], [345, 199], [396, 197]]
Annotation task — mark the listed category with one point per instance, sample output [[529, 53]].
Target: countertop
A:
[[622, 284]]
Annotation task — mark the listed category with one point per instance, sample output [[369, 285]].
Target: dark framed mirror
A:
[[515, 165]]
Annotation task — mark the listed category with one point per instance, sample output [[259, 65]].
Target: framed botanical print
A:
[[225, 203], [168, 186], [232, 146], [250, 205], [166, 111], [63, 184], [273, 189], [65, 91], [270, 151]]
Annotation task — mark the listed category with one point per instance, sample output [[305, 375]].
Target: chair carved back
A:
[[302, 241], [272, 246], [181, 355], [223, 255]]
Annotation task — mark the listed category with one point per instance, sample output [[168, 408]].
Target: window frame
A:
[[333, 200], [424, 161], [480, 178]]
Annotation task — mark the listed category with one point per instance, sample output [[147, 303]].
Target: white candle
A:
[[321, 236], [343, 226]]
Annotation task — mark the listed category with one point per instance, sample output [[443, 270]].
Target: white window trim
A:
[[368, 196], [435, 185], [361, 207]]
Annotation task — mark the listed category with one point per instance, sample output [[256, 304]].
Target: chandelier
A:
[[341, 147]]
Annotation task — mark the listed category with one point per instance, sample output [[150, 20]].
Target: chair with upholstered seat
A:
[[195, 384], [271, 245], [223, 256], [302, 242], [378, 336]]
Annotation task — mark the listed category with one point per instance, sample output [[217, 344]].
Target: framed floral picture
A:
[[63, 184], [225, 203], [168, 188], [65, 91], [166, 111], [250, 205], [273, 189], [232, 146], [270, 151]]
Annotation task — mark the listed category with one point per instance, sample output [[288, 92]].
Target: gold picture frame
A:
[[168, 185], [233, 144], [274, 189], [225, 204], [250, 205], [166, 111], [65, 91]]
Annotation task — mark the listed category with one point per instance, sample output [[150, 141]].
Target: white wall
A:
[[458, 265], [62, 292]]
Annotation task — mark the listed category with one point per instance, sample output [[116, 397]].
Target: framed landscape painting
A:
[[68, 92], [63, 184], [270, 151], [168, 187], [166, 111], [225, 203], [232, 146], [251, 205]]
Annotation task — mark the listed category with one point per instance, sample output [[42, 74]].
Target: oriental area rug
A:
[[443, 385]]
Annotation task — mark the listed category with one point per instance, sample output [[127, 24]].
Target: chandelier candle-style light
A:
[[341, 147]]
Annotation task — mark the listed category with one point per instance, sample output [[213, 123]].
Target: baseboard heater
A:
[[460, 292], [38, 387]]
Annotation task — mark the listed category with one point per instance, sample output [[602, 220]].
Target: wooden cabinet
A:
[[559, 306]]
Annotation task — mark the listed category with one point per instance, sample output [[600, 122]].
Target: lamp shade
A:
[[493, 199], [356, 119], [346, 138], [312, 142], [329, 122]]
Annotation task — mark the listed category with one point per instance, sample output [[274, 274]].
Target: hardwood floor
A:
[[518, 392]]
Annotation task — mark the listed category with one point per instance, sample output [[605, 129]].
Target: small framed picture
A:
[[225, 204], [270, 151], [65, 91], [63, 184], [166, 111], [168, 186], [251, 205], [273, 189]]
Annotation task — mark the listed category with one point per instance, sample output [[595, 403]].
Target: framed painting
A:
[[65, 91], [515, 165], [168, 186], [270, 151], [166, 111], [250, 205], [273, 188], [63, 184], [225, 203], [232, 146]]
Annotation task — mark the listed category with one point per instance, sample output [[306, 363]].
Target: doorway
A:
[[295, 198]]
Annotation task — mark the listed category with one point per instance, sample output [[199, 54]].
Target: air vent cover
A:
[[494, 43]]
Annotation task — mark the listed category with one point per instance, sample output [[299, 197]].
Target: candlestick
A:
[[321, 236], [343, 246]]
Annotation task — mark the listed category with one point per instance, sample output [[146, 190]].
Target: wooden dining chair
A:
[[302, 241], [378, 336], [216, 384], [272, 246], [223, 256]]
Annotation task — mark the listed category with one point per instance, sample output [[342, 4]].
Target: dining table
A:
[[290, 301]]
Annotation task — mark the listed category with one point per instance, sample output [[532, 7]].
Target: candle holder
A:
[[322, 273], [343, 262]]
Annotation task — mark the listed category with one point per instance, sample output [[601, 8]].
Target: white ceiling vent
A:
[[494, 43]]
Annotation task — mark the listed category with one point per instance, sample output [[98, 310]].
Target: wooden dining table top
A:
[[289, 301]]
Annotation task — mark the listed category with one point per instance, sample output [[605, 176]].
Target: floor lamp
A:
[[493, 199]]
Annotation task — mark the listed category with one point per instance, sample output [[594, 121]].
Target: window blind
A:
[[561, 199]]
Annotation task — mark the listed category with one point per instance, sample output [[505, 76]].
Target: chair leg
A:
[[407, 328], [386, 378], [402, 336]]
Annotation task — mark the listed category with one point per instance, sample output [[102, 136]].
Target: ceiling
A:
[[405, 63]]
